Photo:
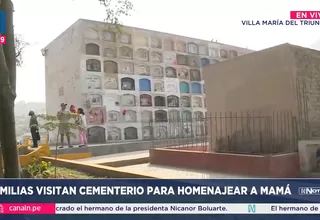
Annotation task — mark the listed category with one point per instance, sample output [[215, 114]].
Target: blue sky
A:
[[40, 21]]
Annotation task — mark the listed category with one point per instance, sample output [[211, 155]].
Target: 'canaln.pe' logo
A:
[[251, 208], [1, 209]]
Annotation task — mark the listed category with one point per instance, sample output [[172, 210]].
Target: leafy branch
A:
[[52, 123], [114, 10], [20, 45]]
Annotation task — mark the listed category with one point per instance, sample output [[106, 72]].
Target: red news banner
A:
[[305, 15]]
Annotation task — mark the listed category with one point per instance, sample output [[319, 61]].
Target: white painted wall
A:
[[62, 70]]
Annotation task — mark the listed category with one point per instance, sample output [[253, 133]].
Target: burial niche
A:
[[204, 62], [126, 68], [183, 73], [197, 102], [198, 115], [113, 116], [168, 44], [193, 48], [224, 54], [145, 100], [203, 50], [95, 99], [161, 116], [146, 116], [194, 61], [195, 75], [130, 116], [109, 36], [144, 85], [114, 134], [159, 101], [143, 69], [169, 57], [110, 67], [110, 81], [109, 52], [128, 100], [181, 46], [185, 101], [127, 84], [93, 65], [156, 71], [171, 72], [147, 133], [96, 134], [186, 115], [182, 60], [92, 49], [173, 101], [156, 43], [174, 115], [93, 82], [184, 87], [171, 88], [161, 132], [125, 52], [158, 86], [142, 54], [125, 38], [130, 133], [156, 57], [196, 88]]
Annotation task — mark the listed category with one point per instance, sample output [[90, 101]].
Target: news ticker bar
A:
[[164, 208]]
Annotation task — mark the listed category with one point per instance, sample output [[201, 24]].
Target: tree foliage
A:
[[10, 57], [20, 45], [51, 123], [115, 9]]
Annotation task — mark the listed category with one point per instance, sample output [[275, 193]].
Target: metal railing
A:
[[244, 133]]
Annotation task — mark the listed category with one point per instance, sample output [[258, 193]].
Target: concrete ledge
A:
[[190, 148], [96, 170], [26, 159], [123, 147], [105, 149], [75, 156], [276, 166], [123, 163]]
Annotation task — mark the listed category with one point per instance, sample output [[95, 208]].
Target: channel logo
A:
[[251, 208], [315, 191]]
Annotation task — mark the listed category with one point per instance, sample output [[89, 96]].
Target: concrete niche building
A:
[[148, 75], [281, 78]]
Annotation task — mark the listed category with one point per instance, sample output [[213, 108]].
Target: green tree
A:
[[20, 45], [8, 61]]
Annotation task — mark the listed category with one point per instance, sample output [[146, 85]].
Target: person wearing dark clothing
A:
[[33, 124]]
